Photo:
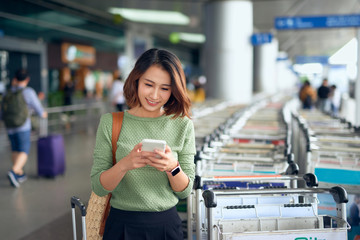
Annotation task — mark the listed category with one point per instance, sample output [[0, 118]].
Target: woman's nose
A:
[[155, 93]]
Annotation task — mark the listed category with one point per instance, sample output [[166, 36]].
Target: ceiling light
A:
[[308, 68], [192, 37], [152, 16]]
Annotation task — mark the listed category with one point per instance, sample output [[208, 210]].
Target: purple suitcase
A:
[[51, 156]]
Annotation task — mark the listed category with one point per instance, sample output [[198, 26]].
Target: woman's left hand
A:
[[165, 163]]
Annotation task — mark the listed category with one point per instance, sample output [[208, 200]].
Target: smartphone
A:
[[149, 145]]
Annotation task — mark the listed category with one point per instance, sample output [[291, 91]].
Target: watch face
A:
[[175, 171]]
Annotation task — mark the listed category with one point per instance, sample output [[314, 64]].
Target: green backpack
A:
[[14, 109]]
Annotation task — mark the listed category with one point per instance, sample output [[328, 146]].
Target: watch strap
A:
[[176, 170]]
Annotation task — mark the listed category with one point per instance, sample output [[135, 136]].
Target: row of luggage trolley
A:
[[247, 187], [212, 115], [332, 152], [330, 148]]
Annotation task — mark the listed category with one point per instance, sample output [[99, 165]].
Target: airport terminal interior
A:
[[274, 87]]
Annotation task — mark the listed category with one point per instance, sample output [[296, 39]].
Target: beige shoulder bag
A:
[[99, 207]]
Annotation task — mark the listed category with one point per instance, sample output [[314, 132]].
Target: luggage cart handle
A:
[[339, 193], [292, 169], [76, 201], [309, 178], [209, 199], [290, 157]]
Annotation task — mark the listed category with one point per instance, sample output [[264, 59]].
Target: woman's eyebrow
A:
[[148, 80]]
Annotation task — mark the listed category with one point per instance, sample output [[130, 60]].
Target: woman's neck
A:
[[141, 112]]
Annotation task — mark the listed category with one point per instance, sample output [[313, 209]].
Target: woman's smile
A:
[[152, 103], [154, 91]]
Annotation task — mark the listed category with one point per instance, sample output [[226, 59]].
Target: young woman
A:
[[144, 187]]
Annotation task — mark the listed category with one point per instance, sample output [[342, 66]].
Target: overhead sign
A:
[[312, 59], [308, 22], [75, 53], [261, 38]]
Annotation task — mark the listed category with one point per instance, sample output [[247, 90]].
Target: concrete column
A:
[[135, 37], [149, 41], [357, 83], [265, 67], [228, 53], [129, 53]]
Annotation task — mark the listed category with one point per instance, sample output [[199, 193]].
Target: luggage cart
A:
[[237, 159], [241, 166], [274, 214], [196, 207], [230, 151], [338, 166], [245, 146], [75, 201]]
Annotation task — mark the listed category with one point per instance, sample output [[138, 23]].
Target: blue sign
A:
[[312, 59], [308, 22], [261, 38]]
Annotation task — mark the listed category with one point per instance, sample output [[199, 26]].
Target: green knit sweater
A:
[[146, 188]]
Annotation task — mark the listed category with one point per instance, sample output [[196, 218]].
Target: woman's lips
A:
[[151, 103]]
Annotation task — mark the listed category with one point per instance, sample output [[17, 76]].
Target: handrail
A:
[[85, 116], [75, 107]]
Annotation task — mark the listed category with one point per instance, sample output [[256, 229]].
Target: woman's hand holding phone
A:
[[134, 159], [159, 154], [165, 163]]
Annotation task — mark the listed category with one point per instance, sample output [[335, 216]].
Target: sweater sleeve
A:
[[102, 155], [186, 159], [33, 101]]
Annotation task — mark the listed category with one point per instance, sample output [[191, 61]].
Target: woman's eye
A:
[[147, 84], [165, 89]]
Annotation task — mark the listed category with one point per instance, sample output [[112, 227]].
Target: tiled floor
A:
[[40, 208]]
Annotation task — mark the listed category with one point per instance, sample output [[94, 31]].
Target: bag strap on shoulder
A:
[[116, 128]]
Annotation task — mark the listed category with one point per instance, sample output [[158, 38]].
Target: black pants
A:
[[130, 225]]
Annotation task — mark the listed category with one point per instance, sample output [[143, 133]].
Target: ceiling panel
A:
[[317, 41], [59, 18], [79, 19]]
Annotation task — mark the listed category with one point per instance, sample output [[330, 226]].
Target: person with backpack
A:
[[17, 105]]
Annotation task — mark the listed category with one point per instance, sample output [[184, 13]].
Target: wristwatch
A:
[[176, 170]]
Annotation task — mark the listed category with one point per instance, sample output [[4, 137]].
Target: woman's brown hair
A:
[[179, 102]]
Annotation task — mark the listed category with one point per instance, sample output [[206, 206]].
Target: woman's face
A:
[[154, 90]]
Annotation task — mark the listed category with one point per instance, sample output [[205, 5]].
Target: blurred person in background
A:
[[117, 92], [335, 99], [19, 134], [354, 218], [307, 95], [323, 92], [199, 89]]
